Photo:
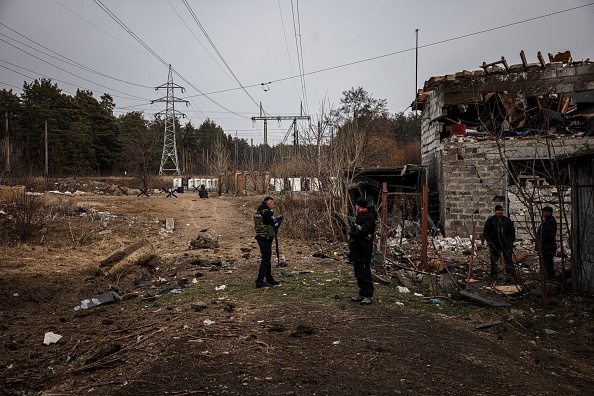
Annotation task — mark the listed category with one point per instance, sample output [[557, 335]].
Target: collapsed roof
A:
[[522, 99]]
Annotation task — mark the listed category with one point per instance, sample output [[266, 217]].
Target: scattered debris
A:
[[105, 298], [51, 338], [206, 239], [169, 224], [488, 324], [381, 279], [484, 299], [199, 306]]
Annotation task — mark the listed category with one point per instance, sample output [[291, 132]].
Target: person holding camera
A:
[[266, 225], [361, 250]]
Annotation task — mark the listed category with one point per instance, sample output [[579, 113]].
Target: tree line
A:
[[51, 133]]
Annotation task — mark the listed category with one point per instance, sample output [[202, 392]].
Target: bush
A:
[[23, 217], [305, 217]]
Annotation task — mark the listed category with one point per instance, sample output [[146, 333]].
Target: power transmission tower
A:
[[279, 118], [169, 160]]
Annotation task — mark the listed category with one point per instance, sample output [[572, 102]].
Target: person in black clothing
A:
[[202, 193], [361, 250], [266, 225], [546, 240], [500, 234]]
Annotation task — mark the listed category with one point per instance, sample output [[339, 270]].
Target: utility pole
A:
[[252, 154], [46, 152], [7, 146], [416, 67], [169, 161], [279, 119]]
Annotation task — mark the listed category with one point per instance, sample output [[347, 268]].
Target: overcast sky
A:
[[216, 47]]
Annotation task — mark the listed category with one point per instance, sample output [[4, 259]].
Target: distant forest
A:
[[50, 133]]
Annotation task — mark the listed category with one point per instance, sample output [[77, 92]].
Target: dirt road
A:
[[303, 337]]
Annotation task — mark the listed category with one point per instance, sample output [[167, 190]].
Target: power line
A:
[[129, 97], [287, 47], [299, 53], [68, 61], [410, 49], [129, 31], [66, 71], [97, 27], [216, 50], [10, 85], [199, 42]]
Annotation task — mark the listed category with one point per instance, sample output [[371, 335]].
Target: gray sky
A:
[[337, 44]]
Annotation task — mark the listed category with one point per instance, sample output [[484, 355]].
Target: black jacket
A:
[[500, 231], [546, 235], [361, 238]]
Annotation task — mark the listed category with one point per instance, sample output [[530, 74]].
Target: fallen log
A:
[[380, 279], [119, 261]]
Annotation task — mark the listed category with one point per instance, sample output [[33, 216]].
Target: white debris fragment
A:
[[51, 338]]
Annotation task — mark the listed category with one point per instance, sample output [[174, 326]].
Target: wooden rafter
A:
[[541, 60], [524, 61]]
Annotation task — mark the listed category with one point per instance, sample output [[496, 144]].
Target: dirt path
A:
[[303, 337]]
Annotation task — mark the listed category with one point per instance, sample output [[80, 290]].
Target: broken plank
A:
[[507, 289], [482, 298], [565, 106], [488, 324], [521, 257]]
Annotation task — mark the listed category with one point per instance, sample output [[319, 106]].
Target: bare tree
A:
[[142, 143], [219, 162]]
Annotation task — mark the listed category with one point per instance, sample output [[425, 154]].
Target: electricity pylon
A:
[[279, 118], [169, 157]]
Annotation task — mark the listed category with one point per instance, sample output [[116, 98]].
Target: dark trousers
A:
[[494, 252], [265, 270], [547, 259], [364, 281]]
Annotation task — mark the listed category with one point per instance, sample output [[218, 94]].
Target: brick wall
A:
[[473, 179]]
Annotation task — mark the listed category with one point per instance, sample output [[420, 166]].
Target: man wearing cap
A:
[[361, 250], [266, 225], [546, 240], [500, 234]]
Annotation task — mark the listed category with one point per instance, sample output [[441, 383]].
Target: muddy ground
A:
[[303, 337]]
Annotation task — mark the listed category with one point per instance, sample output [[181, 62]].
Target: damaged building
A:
[[492, 136]]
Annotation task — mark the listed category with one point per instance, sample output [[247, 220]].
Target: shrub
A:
[[22, 217]]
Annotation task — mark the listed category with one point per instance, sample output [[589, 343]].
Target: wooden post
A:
[[7, 146], [471, 254], [46, 152], [384, 236], [424, 228]]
